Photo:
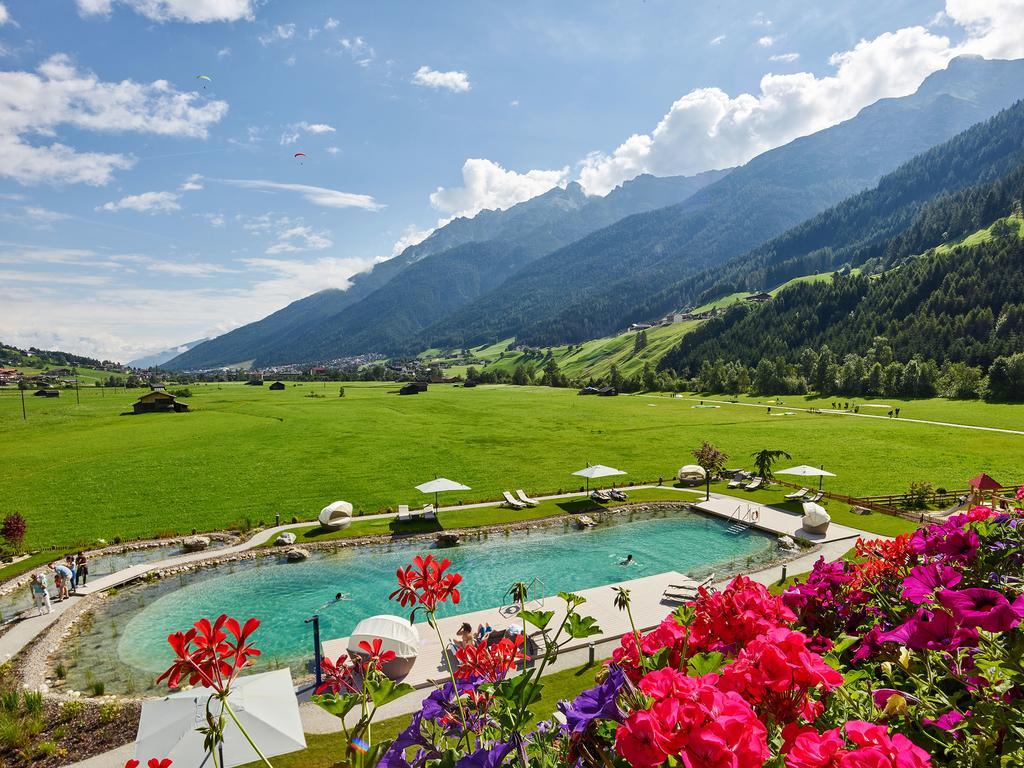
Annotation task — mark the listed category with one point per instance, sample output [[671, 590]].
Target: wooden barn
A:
[[277, 386], [46, 393], [413, 388], [159, 401]]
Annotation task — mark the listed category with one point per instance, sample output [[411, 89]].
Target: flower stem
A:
[[245, 733]]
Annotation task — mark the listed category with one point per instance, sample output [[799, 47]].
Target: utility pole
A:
[[24, 414], [78, 400]]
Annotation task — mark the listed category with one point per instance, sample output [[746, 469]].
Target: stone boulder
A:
[[585, 521], [296, 554], [285, 539], [195, 543]]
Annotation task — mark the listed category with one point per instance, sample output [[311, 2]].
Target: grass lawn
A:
[[78, 473], [324, 750]]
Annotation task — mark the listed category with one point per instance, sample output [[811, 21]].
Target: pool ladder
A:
[[740, 520], [535, 587]]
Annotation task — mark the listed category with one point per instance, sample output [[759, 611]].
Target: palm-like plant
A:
[[765, 459]]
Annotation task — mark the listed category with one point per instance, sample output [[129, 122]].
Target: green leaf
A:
[[539, 619], [579, 627], [705, 663], [383, 690], [336, 704], [572, 600]]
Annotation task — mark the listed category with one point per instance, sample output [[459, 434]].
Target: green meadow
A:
[[244, 454]]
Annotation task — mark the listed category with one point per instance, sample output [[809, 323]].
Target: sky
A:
[[150, 192]]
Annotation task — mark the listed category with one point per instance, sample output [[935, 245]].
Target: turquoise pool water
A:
[[127, 635]]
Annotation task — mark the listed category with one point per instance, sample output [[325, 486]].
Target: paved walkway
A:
[[770, 519], [835, 412]]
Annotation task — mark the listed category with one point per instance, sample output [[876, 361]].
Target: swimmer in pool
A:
[[627, 561]]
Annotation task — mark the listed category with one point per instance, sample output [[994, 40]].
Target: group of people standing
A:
[[67, 575]]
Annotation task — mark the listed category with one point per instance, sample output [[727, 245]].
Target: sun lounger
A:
[[618, 495], [601, 496], [754, 484], [403, 512], [736, 482], [814, 497], [695, 586], [512, 501], [796, 494], [526, 499], [428, 512]]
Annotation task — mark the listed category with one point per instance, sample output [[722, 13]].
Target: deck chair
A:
[[754, 484], [403, 513], [428, 512], [796, 494], [736, 482], [815, 497], [695, 586], [526, 499], [601, 496], [512, 501], [618, 495]]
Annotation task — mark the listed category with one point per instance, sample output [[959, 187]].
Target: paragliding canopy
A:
[[207, 78], [300, 154]]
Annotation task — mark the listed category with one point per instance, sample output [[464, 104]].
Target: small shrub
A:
[[109, 712], [45, 749], [98, 688], [60, 670], [13, 529], [9, 700], [919, 495], [941, 491], [12, 737], [70, 710], [294, 519]]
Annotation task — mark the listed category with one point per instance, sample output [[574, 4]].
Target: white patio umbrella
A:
[[264, 703], [598, 470], [440, 485], [805, 470], [336, 515]]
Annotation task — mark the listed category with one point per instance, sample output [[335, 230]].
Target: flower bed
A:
[[908, 657]]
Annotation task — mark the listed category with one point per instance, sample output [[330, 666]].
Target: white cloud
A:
[[5, 17], [362, 53], [766, 42], [299, 238], [277, 34], [195, 11], [192, 184], [331, 23], [147, 202], [322, 196], [514, 103], [292, 132], [708, 128], [214, 219], [333, 150], [786, 57], [487, 185], [223, 53], [717, 40], [37, 103], [760, 20], [411, 236], [36, 215], [455, 81]]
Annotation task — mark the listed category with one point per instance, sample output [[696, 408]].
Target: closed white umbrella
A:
[[264, 703], [805, 470], [396, 634], [336, 515], [598, 470], [440, 485]]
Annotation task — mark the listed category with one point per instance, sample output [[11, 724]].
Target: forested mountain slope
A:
[[604, 281]]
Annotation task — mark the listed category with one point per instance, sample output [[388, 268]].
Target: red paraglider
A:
[[300, 154]]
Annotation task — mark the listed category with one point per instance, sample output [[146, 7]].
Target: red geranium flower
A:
[[205, 654], [489, 662], [153, 763], [375, 656], [425, 583], [337, 676]]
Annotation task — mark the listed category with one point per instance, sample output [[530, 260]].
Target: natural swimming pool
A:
[[123, 643]]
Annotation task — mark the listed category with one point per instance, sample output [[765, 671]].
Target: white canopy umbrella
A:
[[264, 703], [440, 485], [816, 518], [805, 470], [692, 473], [598, 470], [336, 515]]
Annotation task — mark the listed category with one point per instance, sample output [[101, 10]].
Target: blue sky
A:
[[143, 207]]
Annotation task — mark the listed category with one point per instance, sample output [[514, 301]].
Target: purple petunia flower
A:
[[486, 757], [598, 703], [931, 630], [922, 582], [947, 721], [980, 607]]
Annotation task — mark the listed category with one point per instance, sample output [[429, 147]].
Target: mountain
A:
[[952, 304], [161, 357], [604, 281], [387, 306]]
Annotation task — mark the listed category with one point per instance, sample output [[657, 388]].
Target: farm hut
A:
[[336, 516], [396, 634], [469, 384], [159, 401], [607, 392], [254, 383], [692, 473], [46, 393], [277, 386], [413, 388]]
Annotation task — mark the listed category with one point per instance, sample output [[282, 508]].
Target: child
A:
[[40, 593], [83, 568]]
